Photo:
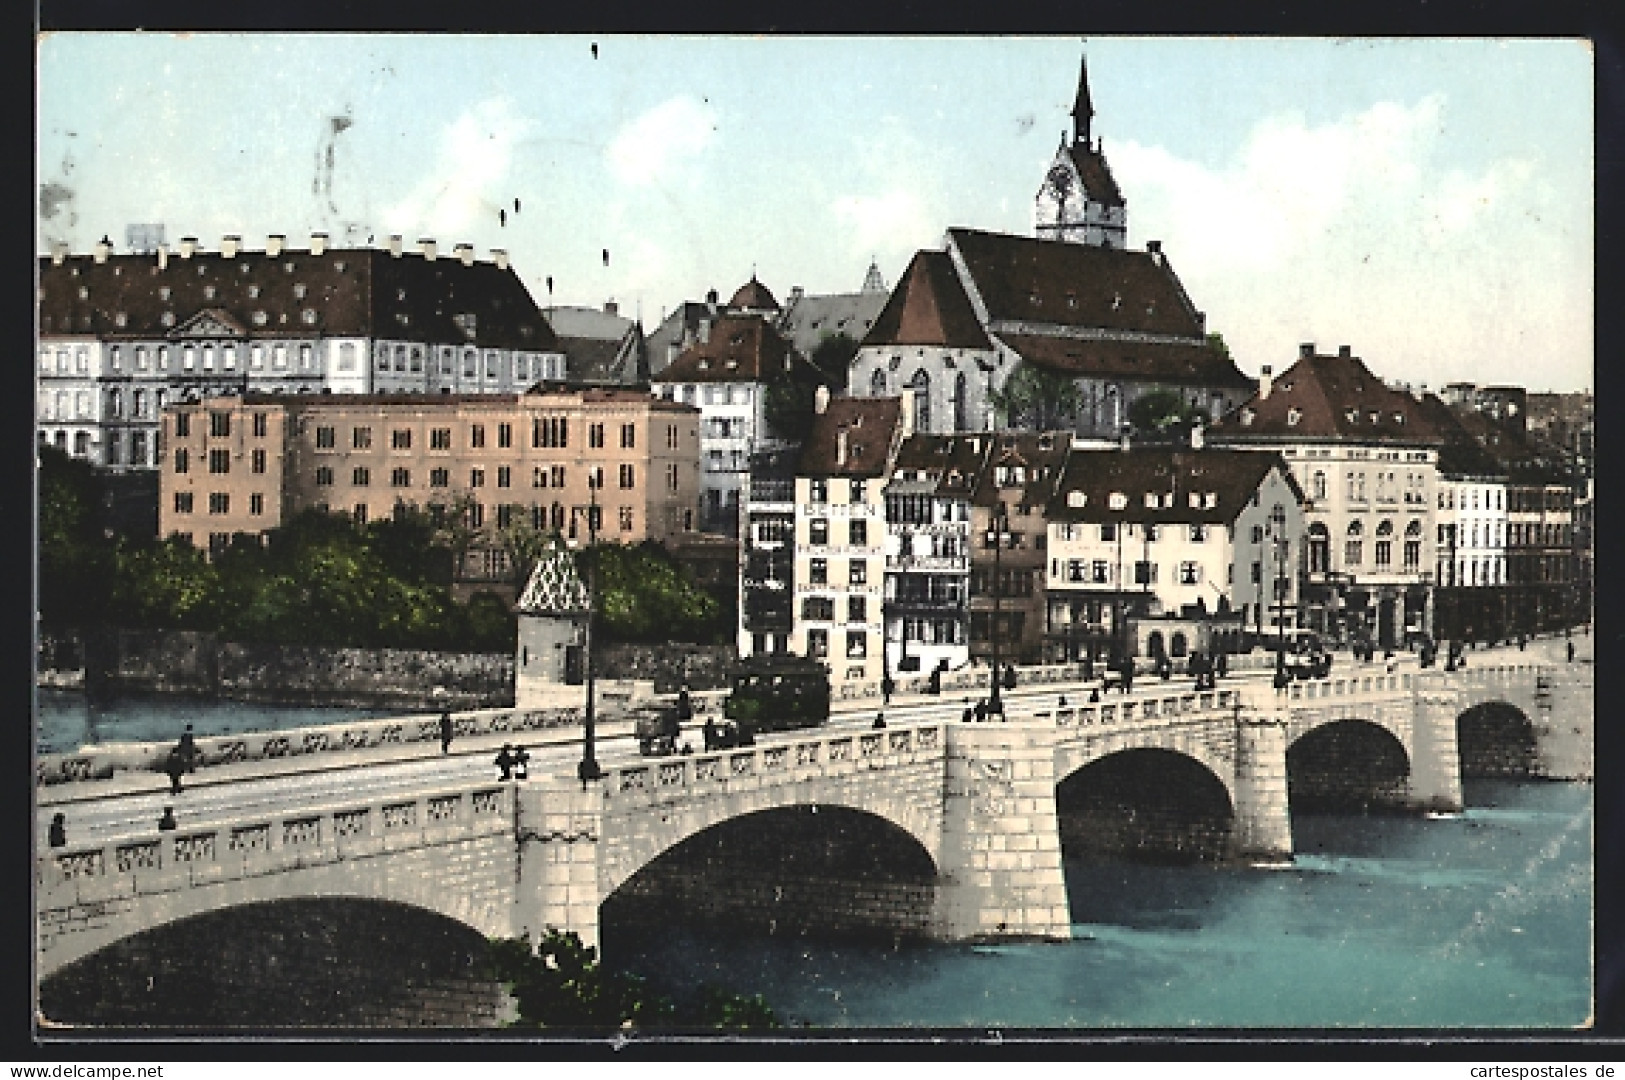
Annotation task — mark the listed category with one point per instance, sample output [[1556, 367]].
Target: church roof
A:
[[1169, 479], [741, 348], [1161, 362], [347, 292], [929, 307], [1097, 177], [555, 587], [810, 319], [1022, 279], [753, 296], [1082, 106], [1330, 397]]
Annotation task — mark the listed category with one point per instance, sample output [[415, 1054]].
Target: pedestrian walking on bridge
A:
[[59, 831], [445, 731], [505, 761], [167, 822], [174, 768]]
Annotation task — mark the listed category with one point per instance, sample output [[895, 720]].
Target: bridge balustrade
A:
[[251, 846], [793, 759]]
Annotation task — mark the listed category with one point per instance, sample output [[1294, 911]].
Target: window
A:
[[401, 478], [324, 438], [1385, 552], [401, 439], [857, 492], [858, 572], [261, 425], [818, 532], [629, 436], [818, 571], [360, 476], [504, 476], [219, 424], [361, 438], [359, 512], [1100, 572], [440, 438], [183, 502], [1190, 573], [182, 460], [628, 477], [1198, 534], [439, 477], [219, 461], [626, 519], [324, 476], [1108, 533], [857, 533], [818, 644], [818, 607], [671, 476], [1145, 573], [595, 436], [219, 502], [476, 478], [550, 433], [504, 436], [818, 491], [857, 644], [671, 436], [257, 461], [183, 425], [476, 436], [256, 504], [857, 609]]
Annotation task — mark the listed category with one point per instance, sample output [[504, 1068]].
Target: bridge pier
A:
[[1000, 868], [558, 827], [1435, 780], [1263, 829]]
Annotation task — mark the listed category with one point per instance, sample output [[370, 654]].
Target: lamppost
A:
[[1281, 544], [589, 769], [1000, 524]]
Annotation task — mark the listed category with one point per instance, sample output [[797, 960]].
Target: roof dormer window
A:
[[1399, 418], [299, 291], [253, 292], [1293, 416], [1351, 415], [400, 294], [705, 365], [1076, 499], [1210, 500], [208, 292], [1247, 417], [84, 293], [167, 318], [1117, 501], [163, 292]]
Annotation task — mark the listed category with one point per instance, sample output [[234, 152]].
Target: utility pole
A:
[[1000, 523], [1279, 537], [589, 770]]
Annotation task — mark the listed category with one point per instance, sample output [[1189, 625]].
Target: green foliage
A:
[[832, 356], [1155, 411], [644, 595], [75, 562], [561, 985], [789, 404], [1216, 340], [1037, 398]]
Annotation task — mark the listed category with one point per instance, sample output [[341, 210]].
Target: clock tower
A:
[[1079, 201]]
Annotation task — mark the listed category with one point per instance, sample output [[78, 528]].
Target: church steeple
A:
[[1082, 109]]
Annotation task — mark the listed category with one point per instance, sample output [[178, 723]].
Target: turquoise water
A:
[[1480, 920], [65, 720]]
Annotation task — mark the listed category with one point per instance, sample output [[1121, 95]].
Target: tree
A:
[[524, 543], [832, 356], [76, 563], [1038, 398], [790, 394], [1215, 341], [1155, 411], [644, 595]]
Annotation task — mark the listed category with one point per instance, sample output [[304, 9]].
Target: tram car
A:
[[778, 693]]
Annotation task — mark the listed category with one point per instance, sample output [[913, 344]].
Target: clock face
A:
[[1061, 180]]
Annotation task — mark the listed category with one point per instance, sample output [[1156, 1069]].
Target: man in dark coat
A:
[[445, 732], [174, 768], [505, 762]]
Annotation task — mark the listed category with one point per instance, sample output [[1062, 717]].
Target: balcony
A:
[[772, 491], [941, 563]]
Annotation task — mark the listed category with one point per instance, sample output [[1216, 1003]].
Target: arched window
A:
[[1354, 545], [920, 385], [1114, 408], [1153, 643], [961, 404], [1177, 645], [557, 515], [1317, 487], [877, 383], [1320, 549]]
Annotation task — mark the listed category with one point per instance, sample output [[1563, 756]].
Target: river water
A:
[[1482, 919]]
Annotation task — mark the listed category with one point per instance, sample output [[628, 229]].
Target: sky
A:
[[1427, 202]]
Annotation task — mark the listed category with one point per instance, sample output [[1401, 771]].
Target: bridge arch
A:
[[1145, 803], [1348, 763], [312, 961], [1496, 739]]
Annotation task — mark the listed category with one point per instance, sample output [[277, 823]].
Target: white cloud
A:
[[467, 183], [661, 142], [894, 203]]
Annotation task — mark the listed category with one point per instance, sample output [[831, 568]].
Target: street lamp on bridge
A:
[[589, 769]]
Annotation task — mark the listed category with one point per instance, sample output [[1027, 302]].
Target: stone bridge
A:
[[977, 806]]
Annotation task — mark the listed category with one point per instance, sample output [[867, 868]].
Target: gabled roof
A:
[[1461, 455], [741, 348], [810, 319], [554, 588], [1219, 483], [929, 307], [871, 427], [1120, 358], [1329, 397], [1041, 455], [1096, 175], [1024, 279], [349, 292], [940, 464]]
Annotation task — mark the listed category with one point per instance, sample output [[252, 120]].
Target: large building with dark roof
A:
[[122, 336], [1071, 304]]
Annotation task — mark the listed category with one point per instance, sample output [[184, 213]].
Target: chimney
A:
[[1344, 350], [1306, 350], [318, 243], [1198, 438], [1154, 249], [163, 256], [906, 413], [821, 399], [499, 256], [840, 449], [705, 331], [465, 254], [711, 298], [796, 293], [104, 248], [188, 246], [228, 245], [395, 245], [1266, 378], [59, 252], [273, 244], [611, 308], [1123, 440], [430, 248]]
